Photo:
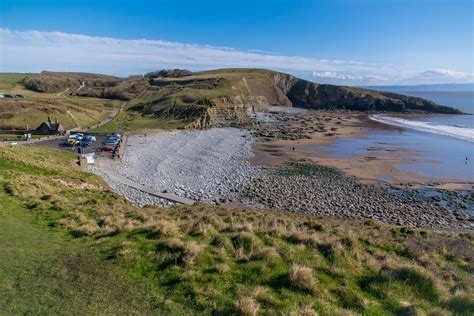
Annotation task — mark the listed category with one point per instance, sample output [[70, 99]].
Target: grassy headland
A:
[[178, 98], [67, 241], [71, 111]]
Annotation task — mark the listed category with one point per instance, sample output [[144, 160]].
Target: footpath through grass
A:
[[131, 121], [69, 244], [44, 269]]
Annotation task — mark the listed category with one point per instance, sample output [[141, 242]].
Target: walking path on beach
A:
[[105, 165]]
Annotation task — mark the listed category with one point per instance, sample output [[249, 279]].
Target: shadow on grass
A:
[[380, 284]]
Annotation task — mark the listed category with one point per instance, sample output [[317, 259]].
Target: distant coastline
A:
[[424, 87]]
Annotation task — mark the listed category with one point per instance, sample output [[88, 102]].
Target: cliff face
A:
[[257, 91], [225, 97], [310, 95]]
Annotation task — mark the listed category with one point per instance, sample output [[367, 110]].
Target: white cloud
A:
[[432, 76], [30, 51], [440, 75], [349, 79], [34, 51]]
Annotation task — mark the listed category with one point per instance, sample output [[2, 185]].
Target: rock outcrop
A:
[[225, 97], [311, 95], [254, 90]]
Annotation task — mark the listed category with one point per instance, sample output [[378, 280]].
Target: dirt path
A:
[[75, 120], [110, 117]]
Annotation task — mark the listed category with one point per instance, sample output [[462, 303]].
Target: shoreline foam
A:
[[462, 133]]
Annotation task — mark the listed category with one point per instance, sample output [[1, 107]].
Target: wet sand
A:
[[333, 145]]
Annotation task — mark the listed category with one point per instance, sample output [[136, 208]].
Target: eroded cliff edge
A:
[[226, 97]]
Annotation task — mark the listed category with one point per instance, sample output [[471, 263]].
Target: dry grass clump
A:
[[297, 237], [304, 310], [301, 277], [245, 245], [184, 253], [166, 228], [88, 228], [247, 306], [202, 229], [222, 268], [267, 253]]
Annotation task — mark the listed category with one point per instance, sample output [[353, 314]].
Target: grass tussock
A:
[[203, 257], [301, 277], [247, 306]]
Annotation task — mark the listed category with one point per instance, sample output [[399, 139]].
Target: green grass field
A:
[[36, 107], [10, 80], [68, 244], [44, 269], [130, 121], [17, 137]]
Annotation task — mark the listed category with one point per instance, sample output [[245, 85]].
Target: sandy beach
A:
[[373, 163], [286, 161]]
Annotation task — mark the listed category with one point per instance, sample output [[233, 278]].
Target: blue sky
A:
[[352, 42]]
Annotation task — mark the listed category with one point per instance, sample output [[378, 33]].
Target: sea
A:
[[444, 143], [445, 139]]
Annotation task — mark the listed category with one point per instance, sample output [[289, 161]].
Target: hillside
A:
[[35, 107], [69, 242], [85, 84], [224, 96]]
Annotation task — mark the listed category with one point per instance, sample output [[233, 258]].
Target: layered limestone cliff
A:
[[226, 97], [260, 90]]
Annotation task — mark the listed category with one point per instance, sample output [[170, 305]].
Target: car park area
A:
[[86, 143]]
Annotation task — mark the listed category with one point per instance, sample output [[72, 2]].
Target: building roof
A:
[[55, 127]]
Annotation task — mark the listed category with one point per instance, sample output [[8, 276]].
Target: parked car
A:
[[73, 141], [77, 137], [111, 142], [85, 143], [90, 137]]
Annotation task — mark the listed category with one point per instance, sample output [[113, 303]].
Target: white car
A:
[[90, 137], [76, 136]]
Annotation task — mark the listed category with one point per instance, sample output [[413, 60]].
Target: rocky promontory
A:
[[224, 97]]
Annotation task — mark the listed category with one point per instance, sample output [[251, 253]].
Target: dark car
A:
[[85, 143], [111, 142]]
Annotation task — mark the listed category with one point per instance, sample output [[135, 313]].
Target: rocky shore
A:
[[322, 191], [213, 166], [199, 165], [295, 125]]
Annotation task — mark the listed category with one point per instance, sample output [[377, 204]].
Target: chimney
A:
[[49, 120]]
